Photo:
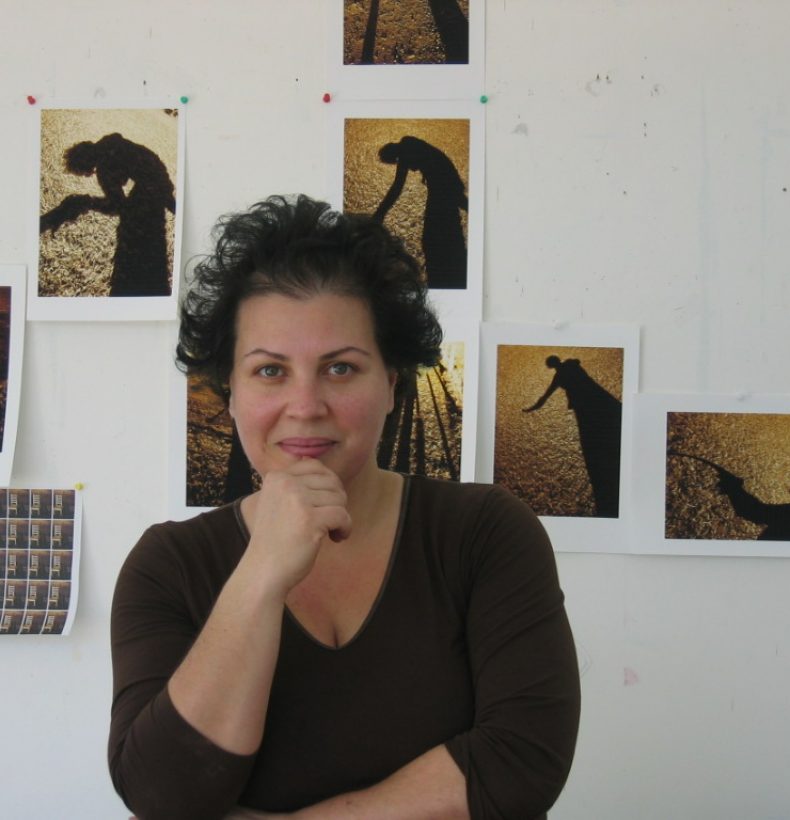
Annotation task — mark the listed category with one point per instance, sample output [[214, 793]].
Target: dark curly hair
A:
[[299, 248]]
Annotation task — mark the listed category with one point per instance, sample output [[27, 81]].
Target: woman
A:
[[348, 641]]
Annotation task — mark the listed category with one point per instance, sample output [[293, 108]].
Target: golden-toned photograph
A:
[[558, 428], [107, 202], [405, 32], [413, 176], [728, 476], [422, 435]]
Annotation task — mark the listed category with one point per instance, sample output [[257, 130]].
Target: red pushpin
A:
[[327, 97], [31, 99]]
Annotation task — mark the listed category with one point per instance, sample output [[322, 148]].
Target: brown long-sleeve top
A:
[[467, 644]]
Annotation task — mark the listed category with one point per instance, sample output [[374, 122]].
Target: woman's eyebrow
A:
[[281, 357], [332, 354]]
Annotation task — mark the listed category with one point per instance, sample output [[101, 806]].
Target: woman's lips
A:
[[306, 447]]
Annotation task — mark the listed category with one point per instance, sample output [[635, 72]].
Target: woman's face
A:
[[308, 380]]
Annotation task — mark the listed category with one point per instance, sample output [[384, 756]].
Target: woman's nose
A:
[[306, 399]]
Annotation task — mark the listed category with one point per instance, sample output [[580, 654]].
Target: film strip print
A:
[[36, 560]]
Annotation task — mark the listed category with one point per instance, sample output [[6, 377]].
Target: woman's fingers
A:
[[295, 510]]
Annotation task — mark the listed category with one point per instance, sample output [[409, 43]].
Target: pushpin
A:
[[31, 99], [79, 486], [184, 99], [483, 98], [327, 97]]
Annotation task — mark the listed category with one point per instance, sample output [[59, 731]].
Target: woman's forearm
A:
[[431, 787], [222, 686]]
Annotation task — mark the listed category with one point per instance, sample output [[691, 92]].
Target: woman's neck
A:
[[370, 494]]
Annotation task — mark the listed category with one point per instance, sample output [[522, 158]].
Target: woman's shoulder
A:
[[209, 536], [471, 495], [469, 508], [204, 521], [477, 530]]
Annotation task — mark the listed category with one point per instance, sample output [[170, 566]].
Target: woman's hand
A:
[[295, 510]]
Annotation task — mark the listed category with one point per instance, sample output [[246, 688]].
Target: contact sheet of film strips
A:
[[39, 560]]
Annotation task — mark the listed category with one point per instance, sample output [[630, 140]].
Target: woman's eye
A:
[[270, 371], [340, 369]]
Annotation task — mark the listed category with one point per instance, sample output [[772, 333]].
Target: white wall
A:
[[638, 156]]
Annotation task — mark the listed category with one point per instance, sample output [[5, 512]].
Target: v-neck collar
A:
[[394, 552]]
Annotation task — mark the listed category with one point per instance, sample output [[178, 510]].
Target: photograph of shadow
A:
[[413, 175], [5, 351], [107, 202], [728, 476], [423, 433], [558, 428], [405, 32], [217, 471]]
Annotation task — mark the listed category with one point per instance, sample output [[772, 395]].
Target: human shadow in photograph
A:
[[238, 479], [599, 419], [453, 28], [140, 263], [422, 433], [774, 518], [443, 241], [369, 43], [451, 25]]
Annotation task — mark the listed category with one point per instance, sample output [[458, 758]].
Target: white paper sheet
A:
[[417, 194], [561, 456], [683, 443]]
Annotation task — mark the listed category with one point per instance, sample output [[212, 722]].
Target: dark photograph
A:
[[217, 469], [40, 534]]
